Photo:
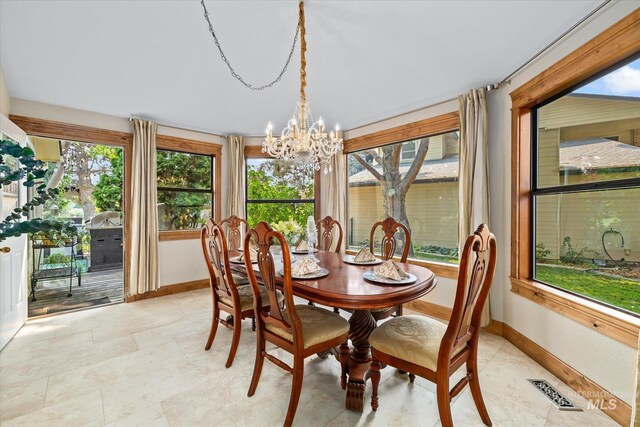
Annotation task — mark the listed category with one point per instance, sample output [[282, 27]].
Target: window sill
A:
[[617, 325], [179, 235], [440, 269]]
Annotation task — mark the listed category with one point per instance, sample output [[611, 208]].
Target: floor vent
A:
[[557, 398]]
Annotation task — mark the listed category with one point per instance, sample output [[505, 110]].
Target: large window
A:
[[415, 182], [185, 189], [278, 191], [586, 189]]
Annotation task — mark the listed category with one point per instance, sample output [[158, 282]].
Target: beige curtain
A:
[[474, 164], [235, 197], [333, 193], [143, 272]]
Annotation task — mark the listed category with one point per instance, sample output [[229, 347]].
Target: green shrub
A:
[[541, 251], [57, 259], [573, 256]]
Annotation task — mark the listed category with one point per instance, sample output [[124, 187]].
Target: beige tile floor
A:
[[143, 364]]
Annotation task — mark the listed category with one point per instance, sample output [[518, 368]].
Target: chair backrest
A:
[[477, 266], [283, 316], [214, 248], [234, 231], [327, 227], [389, 243]]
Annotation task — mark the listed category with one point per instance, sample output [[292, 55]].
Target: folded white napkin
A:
[[390, 271], [302, 246], [364, 255], [304, 266], [253, 254]]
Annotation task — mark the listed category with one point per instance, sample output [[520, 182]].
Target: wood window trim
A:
[[432, 126], [423, 128], [255, 152], [615, 44], [164, 142], [440, 269]]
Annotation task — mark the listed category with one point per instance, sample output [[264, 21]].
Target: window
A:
[[427, 203], [278, 190], [586, 189], [185, 189]]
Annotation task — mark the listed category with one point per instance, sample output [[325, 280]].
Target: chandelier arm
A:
[[233, 72]]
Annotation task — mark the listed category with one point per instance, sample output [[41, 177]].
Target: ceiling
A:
[[366, 61]]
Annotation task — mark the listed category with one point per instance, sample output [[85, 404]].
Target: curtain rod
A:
[[547, 47], [164, 125]]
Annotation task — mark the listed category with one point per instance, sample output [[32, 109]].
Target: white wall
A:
[[5, 101], [180, 260], [608, 362]]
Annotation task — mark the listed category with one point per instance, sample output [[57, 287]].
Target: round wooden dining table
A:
[[346, 288]]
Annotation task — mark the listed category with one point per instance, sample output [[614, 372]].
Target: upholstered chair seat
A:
[[318, 325], [415, 339], [240, 280], [246, 297]]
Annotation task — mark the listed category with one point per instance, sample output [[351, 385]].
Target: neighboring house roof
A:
[[589, 154], [445, 169], [598, 153], [607, 97]]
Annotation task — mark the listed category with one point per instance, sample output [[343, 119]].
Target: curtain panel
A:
[[473, 190], [237, 177], [143, 271], [333, 193]]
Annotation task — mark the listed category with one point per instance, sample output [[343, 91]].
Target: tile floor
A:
[[143, 364]]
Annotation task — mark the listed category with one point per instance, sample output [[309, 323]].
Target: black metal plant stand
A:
[[39, 244]]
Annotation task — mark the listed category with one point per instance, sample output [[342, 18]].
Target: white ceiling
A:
[[366, 60]]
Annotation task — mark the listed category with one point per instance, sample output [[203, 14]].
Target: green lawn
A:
[[620, 292], [437, 257]]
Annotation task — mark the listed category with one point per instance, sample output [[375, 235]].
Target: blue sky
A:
[[625, 81]]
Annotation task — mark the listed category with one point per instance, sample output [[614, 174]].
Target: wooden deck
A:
[[98, 288]]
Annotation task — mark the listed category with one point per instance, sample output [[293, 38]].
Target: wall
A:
[[5, 100], [600, 358], [179, 260], [431, 208]]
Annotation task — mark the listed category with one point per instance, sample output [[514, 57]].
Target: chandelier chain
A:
[[303, 53], [284, 69]]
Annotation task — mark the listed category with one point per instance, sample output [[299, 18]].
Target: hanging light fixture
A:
[[303, 140]]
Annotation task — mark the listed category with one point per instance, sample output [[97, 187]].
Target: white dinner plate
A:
[[373, 277], [350, 259], [295, 251], [237, 260], [316, 275]]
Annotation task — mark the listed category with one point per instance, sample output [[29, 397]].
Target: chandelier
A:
[[303, 140]]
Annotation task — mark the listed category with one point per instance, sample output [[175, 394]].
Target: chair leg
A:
[[296, 388], [253, 324], [374, 374], [336, 310], [399, 311], [214, 326], [444, 403], [310, 303], [344, 364], [474, 385], [412, 377], [235, 340], [257, 367]]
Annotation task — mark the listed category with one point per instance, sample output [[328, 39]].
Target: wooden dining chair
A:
[[426, 347], [388, 245], [327, 230], [235, 231], [301, 330], [226, 294]]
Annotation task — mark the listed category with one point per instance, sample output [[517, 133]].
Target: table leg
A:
[[361, 324]]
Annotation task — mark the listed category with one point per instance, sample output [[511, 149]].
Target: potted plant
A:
[[31, 170]]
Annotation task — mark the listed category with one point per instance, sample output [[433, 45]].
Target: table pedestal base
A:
[[361, 324]]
